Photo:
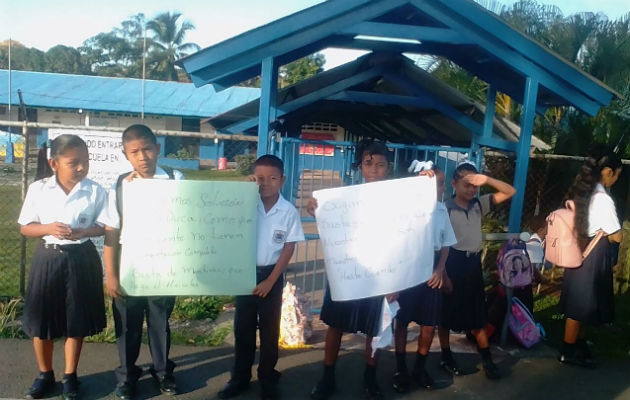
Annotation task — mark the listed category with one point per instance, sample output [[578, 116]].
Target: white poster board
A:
[[377, 237]]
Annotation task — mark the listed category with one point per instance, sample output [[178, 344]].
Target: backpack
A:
[[521, 322], [515, 268], [562, 248]]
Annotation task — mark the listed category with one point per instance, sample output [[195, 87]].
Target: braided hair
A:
[[581, 190]]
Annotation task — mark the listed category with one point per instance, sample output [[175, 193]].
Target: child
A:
[[279, 227], [65, 290], [423, 303], [354, 315], [587, 291], [464, 309], [140, 147]]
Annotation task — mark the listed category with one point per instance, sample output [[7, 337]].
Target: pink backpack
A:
[[522, 324], [562, 247]]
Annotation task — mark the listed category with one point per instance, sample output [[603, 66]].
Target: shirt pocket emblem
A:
[[82, 219], [279, 236]]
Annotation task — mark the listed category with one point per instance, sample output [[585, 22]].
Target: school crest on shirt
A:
[[82, 219], [279, 236]]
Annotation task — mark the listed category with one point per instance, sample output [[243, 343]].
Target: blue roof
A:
[[459, 30], [97, 93]]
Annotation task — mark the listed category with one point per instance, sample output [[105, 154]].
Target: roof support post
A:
[[522, 153], [488, 123], [267, 108]]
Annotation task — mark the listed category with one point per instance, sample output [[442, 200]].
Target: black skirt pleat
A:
[[465, 307], [587, 291], [352, 316], [64, 297]]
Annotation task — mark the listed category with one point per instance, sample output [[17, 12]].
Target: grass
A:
[[215, 338], [610, 340], [8, 315]]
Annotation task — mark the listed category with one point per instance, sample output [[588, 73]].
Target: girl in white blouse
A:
[[587, 291], [64, 297]]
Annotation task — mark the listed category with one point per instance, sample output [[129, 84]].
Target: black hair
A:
[[369, 147], [537, 222], [138, 132], [581, 190], [464, 167], [58, 146], [269, 160], [43, 168]]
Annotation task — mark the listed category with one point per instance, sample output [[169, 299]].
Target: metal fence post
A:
[[24, 189]]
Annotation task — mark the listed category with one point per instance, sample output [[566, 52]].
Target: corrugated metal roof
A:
[[97, 93]]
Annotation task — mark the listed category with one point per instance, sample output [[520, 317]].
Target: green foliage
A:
[[183, 154], [215, 338], [301, 69], [245, 163], [8, 315], [201, 307], [108, 335]]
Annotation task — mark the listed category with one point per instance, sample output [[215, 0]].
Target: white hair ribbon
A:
[[417, 166]]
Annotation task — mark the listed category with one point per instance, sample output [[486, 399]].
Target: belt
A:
[[468, 254], [63, 247]]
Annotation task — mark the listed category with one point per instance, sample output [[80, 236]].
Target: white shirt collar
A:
[[84, 185], [600, 188], [280, 205]]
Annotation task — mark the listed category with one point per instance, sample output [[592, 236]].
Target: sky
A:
[[43, 23]]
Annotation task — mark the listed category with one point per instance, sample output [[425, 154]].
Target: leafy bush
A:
[[183, 154], [244, 163], [8, 314], [199, 307]]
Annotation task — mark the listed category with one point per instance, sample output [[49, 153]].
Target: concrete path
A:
[[202, 371]]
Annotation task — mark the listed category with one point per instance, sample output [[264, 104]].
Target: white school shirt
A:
[[112, 211], [444, 234], [535, 249], [46, 202], [602, 213], [280, 225]]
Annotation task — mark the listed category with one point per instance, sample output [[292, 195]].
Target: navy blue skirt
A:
[[465, 307], [421, 304], [587, 291], [64, 297], [352, 316]]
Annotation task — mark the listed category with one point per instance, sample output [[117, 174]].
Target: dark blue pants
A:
[[129, 314], [263, 313]]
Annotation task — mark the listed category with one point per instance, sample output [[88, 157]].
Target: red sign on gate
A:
[[317, 149]]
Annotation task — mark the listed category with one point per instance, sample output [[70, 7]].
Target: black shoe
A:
[[491, 370], [125, 391], [44, 383], [450, 366], [579, 357], [323, 390], [371, 391], [400, 382], [166, 383], [70, 386], [232, 388], [423, 378]]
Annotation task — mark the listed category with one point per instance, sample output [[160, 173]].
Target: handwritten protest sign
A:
[[377, 237], [188, 237]]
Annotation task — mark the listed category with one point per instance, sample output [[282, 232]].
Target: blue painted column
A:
[[522, 153], [161, 140], [9, 155], [267, 109], [488, 124]]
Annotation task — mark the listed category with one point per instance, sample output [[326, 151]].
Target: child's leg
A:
[[571, 331], [128, 319], [159, 311], [245, 323], [326, 385], [447, 362], [425, 339], [444, 336], [420, 373], [333, 343], [481, 336], [483, 346], [72, 351], [269, 311], [369, 359], [43, 353], [400, 380]]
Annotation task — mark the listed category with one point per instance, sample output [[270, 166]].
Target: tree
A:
[[167, 44], [301, 69], [22, 57], [64, 59]]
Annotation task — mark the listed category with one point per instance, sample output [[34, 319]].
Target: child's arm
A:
[[110, 256], [439, 277], [504, 190], [264, 287], [93, 231], [311, 206], [37, 230]]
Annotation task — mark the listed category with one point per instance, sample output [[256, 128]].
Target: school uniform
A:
[[280, 225], [464, 308], [64, 297], [587, 292], [129, 313], [423, 304]]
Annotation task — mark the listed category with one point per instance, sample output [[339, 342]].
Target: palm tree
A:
[[167, 44]]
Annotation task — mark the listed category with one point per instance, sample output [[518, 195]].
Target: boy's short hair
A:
[[269, 160], [138, 132], [537, 222]]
